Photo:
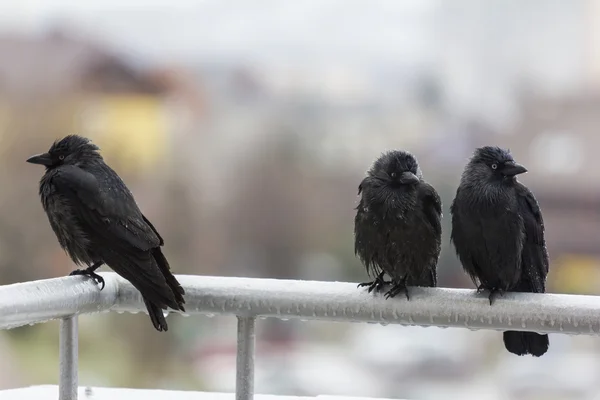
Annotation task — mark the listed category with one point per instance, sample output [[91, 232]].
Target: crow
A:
[[97, 222], [397, 227], [498, 234]]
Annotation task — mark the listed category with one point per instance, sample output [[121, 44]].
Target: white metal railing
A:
[[246, 298], [50, 391]]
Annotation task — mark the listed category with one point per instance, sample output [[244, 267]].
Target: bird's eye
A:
[[494, 166], [61, 157], [393, 174]]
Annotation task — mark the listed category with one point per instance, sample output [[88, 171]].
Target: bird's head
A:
[[494, 163], [397, 168], [70, 150]]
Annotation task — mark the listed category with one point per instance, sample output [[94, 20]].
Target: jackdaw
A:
[[397, 227], [97, 221], [498, 234]]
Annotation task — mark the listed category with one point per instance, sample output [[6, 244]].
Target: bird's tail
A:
[[432, 277], [156, 316], [151, 275], [156, 312], [172, 282], [428, 278], [522, 343]]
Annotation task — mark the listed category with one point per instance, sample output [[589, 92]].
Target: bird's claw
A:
[[397, 289], [375, 285], [480, 289], [92, 274], [494, 293]]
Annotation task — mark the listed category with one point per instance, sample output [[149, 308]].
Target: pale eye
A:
[[62, 157], [393, 175], [494, 166]]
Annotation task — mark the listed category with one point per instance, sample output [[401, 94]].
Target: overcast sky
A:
[[383, 31]]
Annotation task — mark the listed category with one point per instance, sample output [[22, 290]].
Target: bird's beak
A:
[[513, 169], [42, 159], [408, 178]]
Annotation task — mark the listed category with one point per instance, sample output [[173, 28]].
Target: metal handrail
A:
[[103, 393], [247, 298]]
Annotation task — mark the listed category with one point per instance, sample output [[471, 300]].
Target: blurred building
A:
[[68, 85]]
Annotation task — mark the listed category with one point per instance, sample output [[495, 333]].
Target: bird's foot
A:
[[396, 289], [480, 289], [375, 285], [90, 273], [494, 293]]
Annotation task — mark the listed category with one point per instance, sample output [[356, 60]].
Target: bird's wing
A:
[[107, 206], [534, 248], [432, 206], [366, 234], [463, 230]]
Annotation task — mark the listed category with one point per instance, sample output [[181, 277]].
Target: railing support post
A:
[[244, 383], [68, 349]]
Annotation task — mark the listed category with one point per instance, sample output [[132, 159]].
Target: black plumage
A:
[[97, 221], [397, 227], [498, 234]]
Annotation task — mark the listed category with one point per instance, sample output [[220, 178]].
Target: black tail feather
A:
[[146, 278], [156, 316], [150, 274], [172, 282], [522, 343]]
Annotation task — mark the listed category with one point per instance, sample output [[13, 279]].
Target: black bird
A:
[[397, 227], [97, 221], [498, 234]]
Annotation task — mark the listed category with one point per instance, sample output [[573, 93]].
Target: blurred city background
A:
[[244, 129]]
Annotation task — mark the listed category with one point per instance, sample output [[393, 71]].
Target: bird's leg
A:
[[397, 288], [494, 293], [90, 271], [376, 284]]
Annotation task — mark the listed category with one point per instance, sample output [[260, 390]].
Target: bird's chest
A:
[[397, 227], [494, 204], [495, 233], [65, 224], [499, 213]]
